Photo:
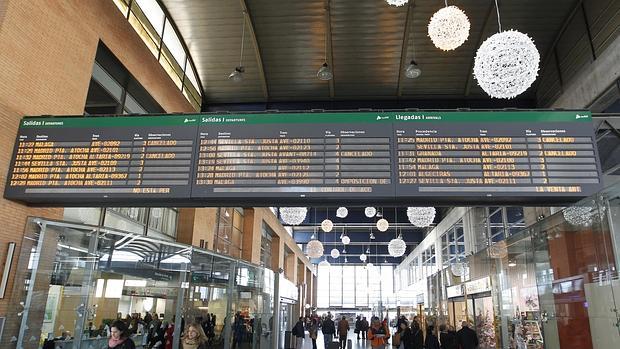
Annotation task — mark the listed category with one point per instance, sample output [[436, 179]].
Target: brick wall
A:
[[47, 50]]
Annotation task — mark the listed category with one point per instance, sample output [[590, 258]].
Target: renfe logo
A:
[[581, 116], [379, 117]]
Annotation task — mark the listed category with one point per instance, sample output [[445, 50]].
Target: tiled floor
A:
[[361, 344]]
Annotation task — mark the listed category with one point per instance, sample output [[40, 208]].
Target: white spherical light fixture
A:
[[579, 216], [383, 224], [293, 215], [342, 212], [397, 247], [363, 257], [346, 240], [506, 64], [314, 249], [327, 225], [324, 263], [397, 2], [421, 216], [448, 28], [334, 253], [370, 212], [369, 265]]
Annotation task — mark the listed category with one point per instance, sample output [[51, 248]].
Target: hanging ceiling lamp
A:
[[579, 216], [370, 212], [397, 2], [363, 257], [346, 240], [314, 249], [324, 263], [334, 253], [369, 265], [383, 224], [412, 70], [293, 215], [397, 247], [237, 74], [448, 28], [342, 212], [327, 225], [506, 63], [325, 73], [421, 216]]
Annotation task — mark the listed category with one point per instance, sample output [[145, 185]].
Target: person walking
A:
[[447, 338], [431, 341], [329, 329], [119, 338], [378, 334], [466, 337], [364, 327], [313, 331], [343, 331], [412, 337], [358, 326], [299, 332], [397, 338], [194, 337]]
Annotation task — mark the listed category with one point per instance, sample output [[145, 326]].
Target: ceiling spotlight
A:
[[372, 236], [325, 73], [237, 74], [413, 71]]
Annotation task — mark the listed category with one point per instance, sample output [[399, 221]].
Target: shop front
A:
[[74, 280]]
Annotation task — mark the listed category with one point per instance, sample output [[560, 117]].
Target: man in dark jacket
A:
[[328, 328], [447, 338], [299, 332], [364, 326], [358, 326], [466, 337]]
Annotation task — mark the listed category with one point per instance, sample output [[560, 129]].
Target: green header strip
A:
[[311, 118]]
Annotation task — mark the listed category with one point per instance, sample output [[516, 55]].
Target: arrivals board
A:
[[421, 157]]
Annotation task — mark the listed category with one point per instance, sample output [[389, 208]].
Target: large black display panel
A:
[[266, 158], [456, 157], [100, 160], [374, 158]]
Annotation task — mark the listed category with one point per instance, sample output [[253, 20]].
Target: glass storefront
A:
[[73, 280], [553, 285]]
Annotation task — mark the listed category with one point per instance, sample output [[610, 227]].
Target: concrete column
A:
[[290, 269]]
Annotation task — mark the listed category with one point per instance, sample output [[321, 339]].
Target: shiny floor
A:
[[356, 344]]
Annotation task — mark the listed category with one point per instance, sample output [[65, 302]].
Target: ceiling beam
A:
[[328, 45], [470, 75], [405, 47], [259, 60]]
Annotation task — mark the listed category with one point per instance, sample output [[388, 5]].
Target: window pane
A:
[[132, 106], [361, 286], [335, 284], [191, 75], [153, 13], [348, 286], [171, 66], [141, 25], [107, 82], [322, 297], [171, 40]]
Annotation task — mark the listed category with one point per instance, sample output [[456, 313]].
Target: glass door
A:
[[577, 278]]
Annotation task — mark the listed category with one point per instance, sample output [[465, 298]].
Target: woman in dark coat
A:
[[120, 337], [412, 337], [431, 341]]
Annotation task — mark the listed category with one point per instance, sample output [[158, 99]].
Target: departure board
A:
[[276, 158], [415, 158], [75, 160]]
